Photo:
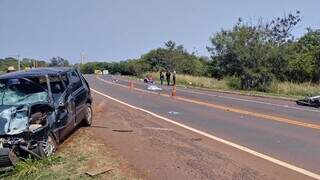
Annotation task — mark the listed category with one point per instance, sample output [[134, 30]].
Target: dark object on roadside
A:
[[310, 101], [196, 139], [39, 108], [96, 172], [168, 76], [122, 130], [148, 79], [161, 78]]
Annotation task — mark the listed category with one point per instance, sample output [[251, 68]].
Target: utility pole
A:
[[18, 62], [82, 58]]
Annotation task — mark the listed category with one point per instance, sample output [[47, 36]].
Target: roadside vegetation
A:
[[285, 89], [75, 157], [259, 57], [30, 63]]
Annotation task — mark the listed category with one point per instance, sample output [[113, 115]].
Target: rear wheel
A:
[[87, 121]]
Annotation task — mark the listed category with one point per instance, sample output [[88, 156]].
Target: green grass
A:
[[71, 162], [31, 168], [283, 89]]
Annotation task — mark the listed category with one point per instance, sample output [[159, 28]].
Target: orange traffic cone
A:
[[131, 85], [174, 90]]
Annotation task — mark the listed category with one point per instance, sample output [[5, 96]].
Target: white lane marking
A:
[[273, 118], [240, 147], [245, 100]]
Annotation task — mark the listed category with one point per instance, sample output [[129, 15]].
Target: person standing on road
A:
[[168, 76], [161, 77], [174, 77]]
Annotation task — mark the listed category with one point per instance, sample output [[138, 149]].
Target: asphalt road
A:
[[276, 128]]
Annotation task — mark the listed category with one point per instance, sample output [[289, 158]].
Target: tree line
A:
[[170, 57], [27, 63], [249, 55]]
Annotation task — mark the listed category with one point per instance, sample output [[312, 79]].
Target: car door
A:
[[79, 93], [65, 106]]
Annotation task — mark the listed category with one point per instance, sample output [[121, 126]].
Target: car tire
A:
[[87, 121], [47, 147]]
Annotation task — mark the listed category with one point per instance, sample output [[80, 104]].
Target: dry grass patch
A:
[[285, 89], [196, 81], [294, 89], [76, 156]]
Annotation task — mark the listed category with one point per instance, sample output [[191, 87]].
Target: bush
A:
[[234, 82], [256, 81]]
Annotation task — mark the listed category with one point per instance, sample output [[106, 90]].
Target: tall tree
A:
[[253, 53], [58, 62]]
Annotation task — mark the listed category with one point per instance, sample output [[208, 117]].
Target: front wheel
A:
[[46, 147], [87, 121]]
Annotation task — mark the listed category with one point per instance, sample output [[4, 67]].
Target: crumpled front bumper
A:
[[7, 159]]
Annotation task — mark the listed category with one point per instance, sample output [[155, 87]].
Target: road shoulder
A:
[[158, 150]]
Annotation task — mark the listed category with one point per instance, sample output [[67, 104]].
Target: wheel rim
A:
[[89, 115], [48, 146]]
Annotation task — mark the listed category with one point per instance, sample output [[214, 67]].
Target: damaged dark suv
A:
[[38, 109]]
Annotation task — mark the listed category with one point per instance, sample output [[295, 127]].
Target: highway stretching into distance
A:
[[277, 128]]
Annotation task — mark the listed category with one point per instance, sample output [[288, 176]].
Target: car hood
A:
[[13, 119]]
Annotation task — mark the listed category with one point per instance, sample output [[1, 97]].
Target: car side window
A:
[[74, 80], [65, 79], [84, 81], [57, 87]]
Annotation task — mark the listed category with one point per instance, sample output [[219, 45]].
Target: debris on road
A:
[[310, 101], [154, 88], [196, 139], [173, 113], [96, 172], [158, 128], [122, 130], [196, 158], [148, 79]]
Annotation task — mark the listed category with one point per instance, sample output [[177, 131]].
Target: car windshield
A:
[[21, 91]]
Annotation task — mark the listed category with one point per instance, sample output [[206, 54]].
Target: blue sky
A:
[[122, 29]]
